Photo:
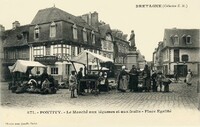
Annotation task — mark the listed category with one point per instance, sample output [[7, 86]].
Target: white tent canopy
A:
[[103, 68], [82, 57], [22, 65]]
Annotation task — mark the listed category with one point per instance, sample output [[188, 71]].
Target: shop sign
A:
[[47, 60]]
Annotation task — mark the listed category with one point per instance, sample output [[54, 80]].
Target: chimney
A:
[[94, 19], [2, 29], [85, 17], [91, 18], [16, 24]]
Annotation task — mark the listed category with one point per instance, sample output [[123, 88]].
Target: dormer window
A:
[[36, 32], [188, 39], [75, 32], [53, 30], [176, 40], [84, 35], [93, 37]]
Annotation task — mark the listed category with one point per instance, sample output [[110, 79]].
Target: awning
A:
[[23, 65], [82, 57], [103, 68]]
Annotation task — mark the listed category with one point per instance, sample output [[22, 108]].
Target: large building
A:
[[121, 47], [179, 51], [107, 46], [53, 37]]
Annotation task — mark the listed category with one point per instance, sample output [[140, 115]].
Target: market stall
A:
[[21, 71], [91, 80]]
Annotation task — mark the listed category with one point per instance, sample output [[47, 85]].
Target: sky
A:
[[148, 23]]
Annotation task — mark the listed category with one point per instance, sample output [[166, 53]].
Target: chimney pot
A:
[[16, 24]]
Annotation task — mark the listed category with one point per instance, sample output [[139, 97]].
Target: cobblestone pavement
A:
[[180, 96]]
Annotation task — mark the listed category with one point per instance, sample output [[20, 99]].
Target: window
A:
[[66, 52], [53, 30], [84, 35], [109, 45], [104, 44], [54, 70], [22, 54], [185, 58], [104, 54], [78, 50], [11, 54], [176, 40], [57, 50], [6, 54], [36, 32], [38, 51], [176, 55], [167, 54], [48, 50], [93, 37], [73, 51], [109, 55], [188, 39], [67, 69], [75, 32]]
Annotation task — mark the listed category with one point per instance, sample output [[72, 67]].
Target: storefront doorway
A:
[[181, 70]]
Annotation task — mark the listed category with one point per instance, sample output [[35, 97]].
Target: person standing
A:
[[153, 77], [159, 78], [44, 76], [133, 81], [146, 78], [72, 83], [123, 80], [189, 77], [81, 85]]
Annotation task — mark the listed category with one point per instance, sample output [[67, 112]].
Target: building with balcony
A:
[[52, 38]]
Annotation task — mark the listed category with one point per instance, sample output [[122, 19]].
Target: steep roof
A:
[[56, 14], [181, 33], [104, 29], [14, 37]]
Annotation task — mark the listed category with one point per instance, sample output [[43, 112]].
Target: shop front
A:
[[60, 70]]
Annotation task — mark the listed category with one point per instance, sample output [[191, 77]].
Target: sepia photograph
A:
[[99, 63]]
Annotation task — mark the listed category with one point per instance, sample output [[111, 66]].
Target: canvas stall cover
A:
[[82, 57], [22, 65]]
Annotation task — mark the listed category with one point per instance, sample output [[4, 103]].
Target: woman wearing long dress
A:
[[123, 80], [189, 78]]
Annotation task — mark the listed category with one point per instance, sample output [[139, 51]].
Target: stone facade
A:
[[179, 51]]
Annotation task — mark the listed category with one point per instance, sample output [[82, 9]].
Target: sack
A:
[[165, 80]]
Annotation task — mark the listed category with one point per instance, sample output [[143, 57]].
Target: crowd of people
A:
[[150, 81], [44, 84], [75, 79], [134, 80], [130, 80]]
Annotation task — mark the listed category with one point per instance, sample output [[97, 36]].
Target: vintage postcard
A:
[[99, 63]]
